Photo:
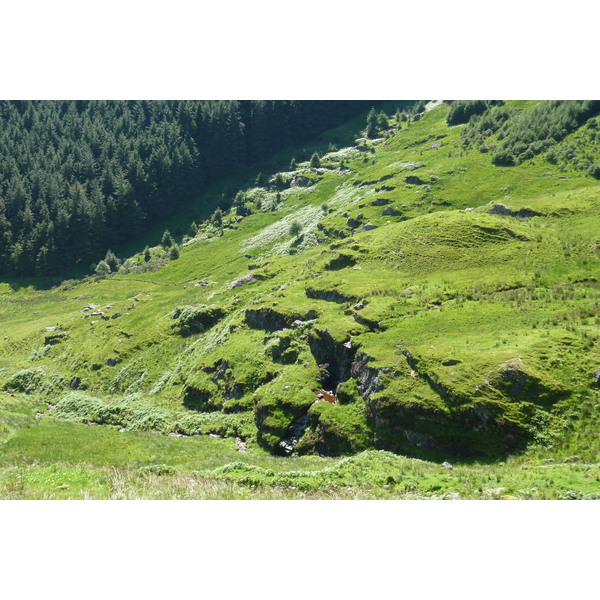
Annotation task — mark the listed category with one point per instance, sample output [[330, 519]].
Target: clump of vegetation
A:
[[38, 380], [295, 228], [462, 110], [135, 413], [522, 134]]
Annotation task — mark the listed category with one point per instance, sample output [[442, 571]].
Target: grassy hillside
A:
[[406, 303]]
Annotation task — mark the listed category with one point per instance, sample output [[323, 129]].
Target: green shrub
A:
[[295, 228], [135, 413], [35, 379], [462, 110], [102, 269], [594, 170], [157, 470]]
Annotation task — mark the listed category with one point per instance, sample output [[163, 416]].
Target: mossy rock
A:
[[195, 319], [518, 381], [336, 430], [201, 393]]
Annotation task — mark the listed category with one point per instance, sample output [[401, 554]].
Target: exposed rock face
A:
[[75, 383], [390, 212], [336, 355], [526, 213], [499, 209], [522, 213], [195, 319], [403, 425], [512, 376], [302, 181], [368, 227], [55, 338], [269, 319], [341, 261], [243, 280], [370, 323], [413, 180], [596, 379], [368, 379], [516, 380], [293, 435], [328, 295], [380, 202]]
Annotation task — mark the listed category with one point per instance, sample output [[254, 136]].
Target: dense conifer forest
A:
[[80, 177]]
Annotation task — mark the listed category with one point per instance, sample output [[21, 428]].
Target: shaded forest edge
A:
[[80, 177]]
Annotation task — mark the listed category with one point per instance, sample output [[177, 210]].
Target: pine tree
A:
[[278, 182], [166, 240], [112, 261], [174, 252], [382, 121], [371, 130], [217, 218], [147, 254], [293, 165], [315, 161]]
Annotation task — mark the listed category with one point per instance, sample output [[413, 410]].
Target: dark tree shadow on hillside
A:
[[40, 284]]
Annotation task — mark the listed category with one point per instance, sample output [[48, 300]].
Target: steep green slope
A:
[[447, 306]]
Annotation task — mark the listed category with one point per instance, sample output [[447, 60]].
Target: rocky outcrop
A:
[[250, 278], [366, 183], [302, 181], [329, 295], [368, 379], [517, 381], [294, 433], [505, 211], [195, 319], [54, 338], [368, 227], [390, 212], [334, 356], [499, 209], [269, 319], [370, 323], [413, 180], [341, 261]]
